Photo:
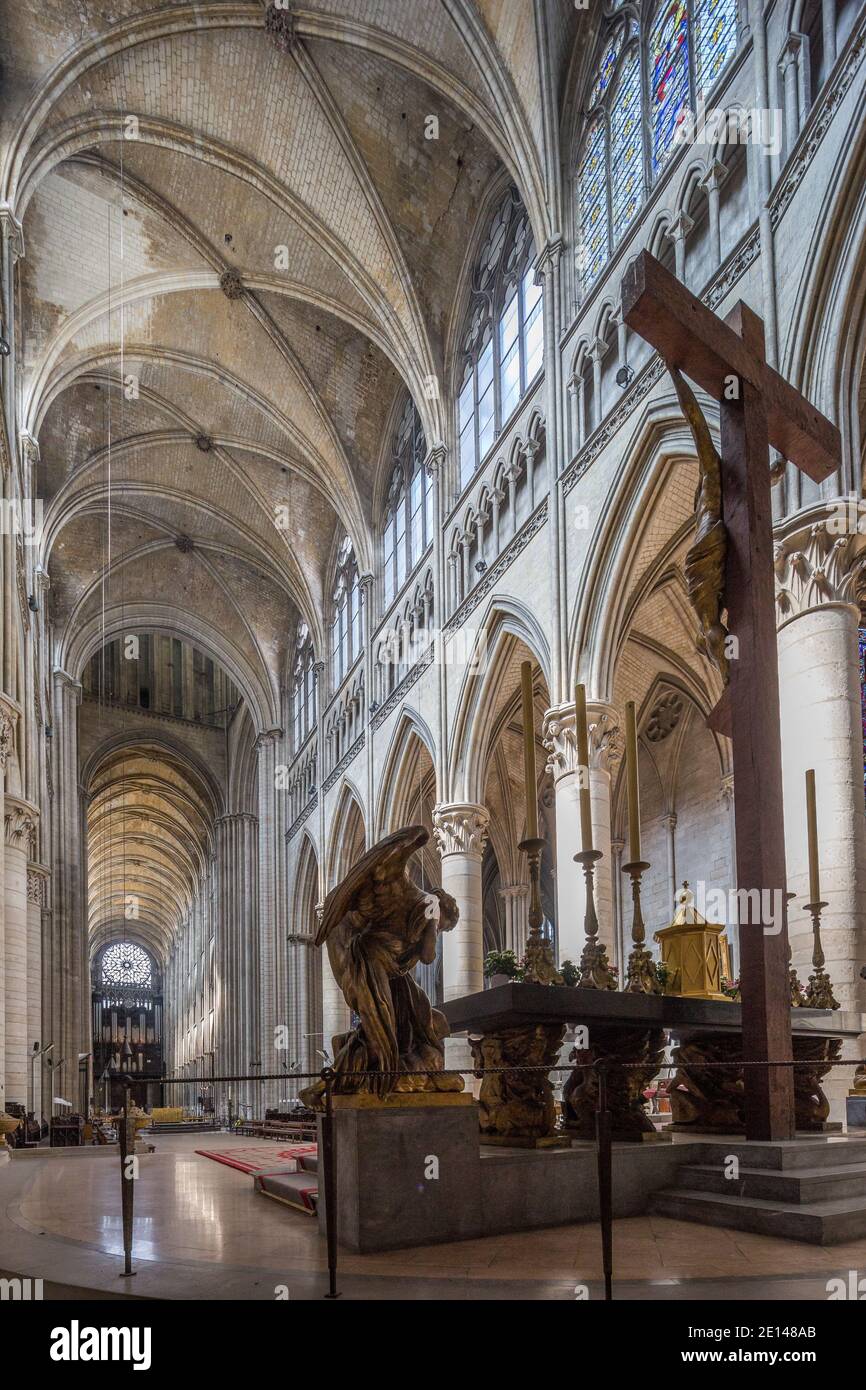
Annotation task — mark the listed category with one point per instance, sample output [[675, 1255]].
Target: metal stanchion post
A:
[[329, 1161], [126, 1183], [605, 1180]]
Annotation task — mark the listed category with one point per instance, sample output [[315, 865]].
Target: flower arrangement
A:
[[503, 963], [731, 989]]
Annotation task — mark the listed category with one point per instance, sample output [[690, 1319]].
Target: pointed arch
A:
[[507, 623]]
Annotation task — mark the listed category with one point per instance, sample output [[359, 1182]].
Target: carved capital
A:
[[461, 828], [604, 736], [820, 559], [435, 460], [548, 259], [12, 231], [715, 176], [680, 227], [20, 821], [267, 738]]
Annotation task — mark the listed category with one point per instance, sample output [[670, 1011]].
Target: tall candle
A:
[[632, 778], [812, 830], [582, 736], [529, 751]]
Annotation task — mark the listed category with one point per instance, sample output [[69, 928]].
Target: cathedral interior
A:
[[336, 486]]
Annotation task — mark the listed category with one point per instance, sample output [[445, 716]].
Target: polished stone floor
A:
[[201, 1231]]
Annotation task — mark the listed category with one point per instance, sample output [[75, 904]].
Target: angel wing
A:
[[382, 871]]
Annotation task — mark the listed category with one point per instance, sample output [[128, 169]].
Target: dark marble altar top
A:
[[507, 1006]]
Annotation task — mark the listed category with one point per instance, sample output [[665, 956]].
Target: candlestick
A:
[[529, 751], [595, 971], [642, 975], [819, 991], [812, 832], [539, 965], [633, 785], [581, 733]]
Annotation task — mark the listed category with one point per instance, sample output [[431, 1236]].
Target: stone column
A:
[[568, 778], [712, 182], [515, 897], [828, 26], [596, 354], [678, 231], [68, 1028], [460, 831], [336, 1018], [236, 949], [37, 879], [273, 1002], [817, 575], [790, 65], [20, 821], [670, 821]]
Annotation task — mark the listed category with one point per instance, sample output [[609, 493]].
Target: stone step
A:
[[820, 1223], [801, 1186], [782, 1155]]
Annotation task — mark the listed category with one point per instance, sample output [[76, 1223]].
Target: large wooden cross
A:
[[758, 409]]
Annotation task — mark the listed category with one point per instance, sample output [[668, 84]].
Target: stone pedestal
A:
[[856, 1112], [408, 1171]]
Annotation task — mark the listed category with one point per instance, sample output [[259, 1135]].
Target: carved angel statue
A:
[[378, 925], [705, 561]]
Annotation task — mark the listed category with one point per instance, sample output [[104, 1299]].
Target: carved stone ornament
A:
[[280, 27], [20, 822], [7, 737], [461, 829], [664, 717], [558, 737], [231, 284], [820, 563]]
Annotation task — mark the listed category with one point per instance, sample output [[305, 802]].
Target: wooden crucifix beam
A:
[[690, 336], [757, 408]]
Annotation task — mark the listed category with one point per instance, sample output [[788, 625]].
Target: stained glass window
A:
[[626, 148], [592, 195], [503, 337], [303, 686], [408, 525], [715, 27], [668, 75], [124, 963], [607, 67], [346, 622]]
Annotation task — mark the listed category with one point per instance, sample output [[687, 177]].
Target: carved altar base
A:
[[710, 1099], [517, 1107], [625, 1084]]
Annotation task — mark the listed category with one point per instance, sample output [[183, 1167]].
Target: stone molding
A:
[[8, 719], [37, 884], [558, 737], [349, 756], [816, 565], [818, 123], [461, 827]]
